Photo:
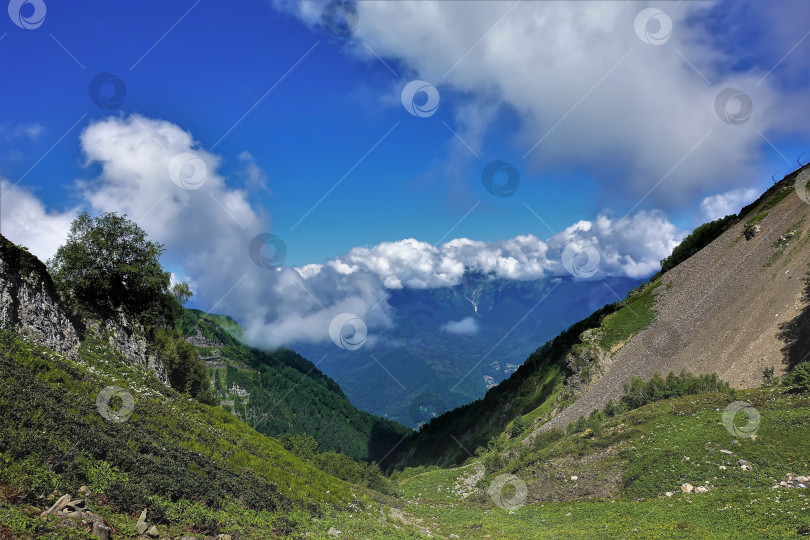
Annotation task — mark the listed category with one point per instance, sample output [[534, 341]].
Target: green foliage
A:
[[577, 427], [800, 377], [181, 292], [638, 393], [109, 263], [633, 314], [768, 378], [701, 237], [186, 372], [171, 453], [304, 446], [360, 473], [517, 427], [547, 438], [289, 395]]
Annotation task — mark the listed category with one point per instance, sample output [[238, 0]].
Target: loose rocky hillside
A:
[[734, 308]]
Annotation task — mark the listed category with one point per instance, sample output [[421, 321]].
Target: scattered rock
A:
[[223, 537], [802, 479], [701, 489], [58, 505], [723, 467], [454, 536], [84, 490], [669, 493], [78, 504], [687, 488], [100, 530], [153, 532], [575, 478], [728, 452], [333, 532], [141, 526]]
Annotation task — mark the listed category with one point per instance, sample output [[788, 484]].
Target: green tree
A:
[[304, 446], [768, 377], [108, 263], [800, 376], [185, 370], [518, 426]]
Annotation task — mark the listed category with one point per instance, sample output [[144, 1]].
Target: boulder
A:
[[687, 488], [58, 505], [153, 532], [78, 504], [100, 530], [141, 526], [333, 532]]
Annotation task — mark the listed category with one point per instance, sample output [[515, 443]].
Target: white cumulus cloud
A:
[[25, 221], [466, 326], [724, 204], [579, 79], [207, 232]]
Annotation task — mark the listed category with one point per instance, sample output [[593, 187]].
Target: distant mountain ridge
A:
[[420, 368]]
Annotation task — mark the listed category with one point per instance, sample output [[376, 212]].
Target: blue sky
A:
[[313, 127], [601, 118]]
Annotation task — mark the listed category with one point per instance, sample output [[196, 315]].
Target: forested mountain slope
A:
[[282, 392]]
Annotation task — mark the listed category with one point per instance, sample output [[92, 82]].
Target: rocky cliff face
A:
[[585, 364], [30, 305], [129, 339]]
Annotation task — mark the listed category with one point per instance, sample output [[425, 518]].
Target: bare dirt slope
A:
[[735, 308]]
